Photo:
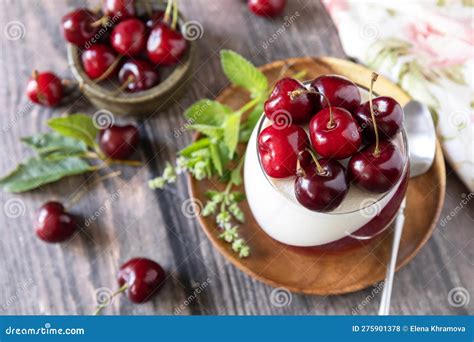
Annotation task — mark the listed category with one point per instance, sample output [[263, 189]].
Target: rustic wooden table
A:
[[36, 278]]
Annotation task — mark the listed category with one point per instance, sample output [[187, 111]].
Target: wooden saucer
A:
[[331, 273]]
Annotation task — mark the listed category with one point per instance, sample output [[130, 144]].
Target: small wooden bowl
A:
[[328, 273], [140, 103]]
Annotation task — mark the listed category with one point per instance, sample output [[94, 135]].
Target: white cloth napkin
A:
[[427, 47]]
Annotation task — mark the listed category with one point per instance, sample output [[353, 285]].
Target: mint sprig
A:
[[71, 149], [215, 152]]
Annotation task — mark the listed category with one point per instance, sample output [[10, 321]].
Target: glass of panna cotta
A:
[[359, 218]]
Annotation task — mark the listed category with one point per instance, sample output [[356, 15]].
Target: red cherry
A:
[[142, 277], [296, 109], [337, 141], [388, 115], [340, 92], [120, 9], [97, 59], [279, 148], [44, 88], [129, 37], [78, 26], [119, 142], [165, 46], [138, 75], [321, 187], [267, 8], [53, 223], [376, 172]]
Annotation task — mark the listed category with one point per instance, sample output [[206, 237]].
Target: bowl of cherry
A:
[[130, 57], [327, 164]]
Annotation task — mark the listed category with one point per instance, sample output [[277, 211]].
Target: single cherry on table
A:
[[119, 142], [140, 279], [53, 223], [44, 88], [165, 45], [99, 61], [138, 75], [79, 26], [266, 8], [322, 185], [290, 101], [279, 148], [129, 37]]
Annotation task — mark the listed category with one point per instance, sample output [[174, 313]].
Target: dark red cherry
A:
[[119, 9], [97, 59], [321, 188], [340, 92], [295, 108], [337, 141], [44, 88], [376, 173], [267, 8], [139, 75], [129, 37], [155, 18], [142, 277], [279, 148], [78, 26], [119, 142], [165, 46], [388, 115], [53, 223]]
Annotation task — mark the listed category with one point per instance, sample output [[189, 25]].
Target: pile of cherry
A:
[[340, 127], [129, 46]]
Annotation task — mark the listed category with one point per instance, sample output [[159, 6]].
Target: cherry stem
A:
[[319, 168], [295, 93], [299, 170], [100, 307], [175, 15], [124, 86], [100, 22], [39, 95], [109, 70], [166, 17], [78, 195], [148, 8], [123, 162], [372, 114]]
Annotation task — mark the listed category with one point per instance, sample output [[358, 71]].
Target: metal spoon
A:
[[421, 136]]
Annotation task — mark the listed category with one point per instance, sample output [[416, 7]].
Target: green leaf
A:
[[78, 126], [207, 112], [251, 122], [54, 143], [243, 73], [35, 172], [216, 159], [231, 133], [210, 131], [195, 146]]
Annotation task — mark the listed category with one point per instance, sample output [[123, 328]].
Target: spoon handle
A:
[[397, 234]]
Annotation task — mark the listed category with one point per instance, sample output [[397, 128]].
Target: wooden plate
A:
[[331, 273]]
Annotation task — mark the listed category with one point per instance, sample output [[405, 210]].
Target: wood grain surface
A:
[[36, 278]]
